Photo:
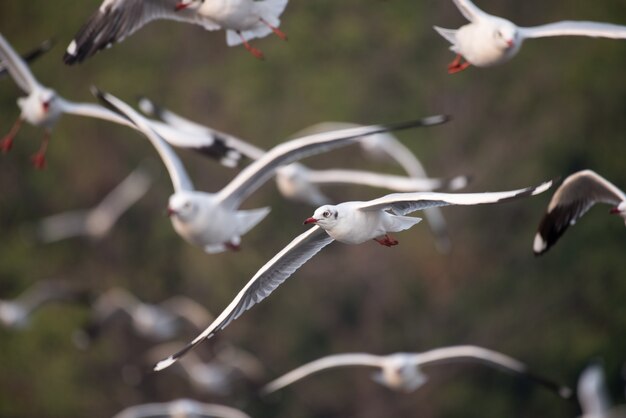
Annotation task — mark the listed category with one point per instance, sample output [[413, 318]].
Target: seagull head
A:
[[506, 35], [325, 216], [46, 98], [401, 372], [182, 205], [188, 4]]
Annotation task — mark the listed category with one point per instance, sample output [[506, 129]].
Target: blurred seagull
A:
[[43, 107], [213, 221], [16, 313], [97, 222], [181, 408], [297, 182], [156, 321], [578, 193], [31, 55], [402, 371], [592, 393], [116, 19], [350, 223], [490, 40]]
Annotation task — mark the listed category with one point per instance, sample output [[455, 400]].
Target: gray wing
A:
[[116, 19], [45, 291], [578, 193], [329, 362], [257, 173], [63, 225], [181, 408], [16, 67], [31, 55], [264, 282], [405, 203], [575, 28]]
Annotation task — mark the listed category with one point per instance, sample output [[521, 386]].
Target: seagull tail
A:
[[448, 34], [248, 219]]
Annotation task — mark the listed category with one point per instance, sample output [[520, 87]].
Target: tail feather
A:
[[448, 34], [401, 223], [249, 218]]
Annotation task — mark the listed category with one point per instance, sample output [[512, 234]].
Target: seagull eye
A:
[[187, 205], [326, 214]]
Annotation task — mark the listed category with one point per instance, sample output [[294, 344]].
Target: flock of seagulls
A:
[[215, 223]]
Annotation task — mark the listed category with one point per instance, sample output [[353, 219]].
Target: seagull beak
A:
[[46, 106], [614, 211], [510, 44], [170, 212], [180, 6], [309, 221]]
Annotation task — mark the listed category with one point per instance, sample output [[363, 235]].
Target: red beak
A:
[[614, 211], [46, 106], [309, 221], [510, 44], [170, 212], [180, 6]]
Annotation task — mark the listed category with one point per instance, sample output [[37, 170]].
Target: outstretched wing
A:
[[264, 282], [16, 67], [469, 10], [575, 28], [31, 55]]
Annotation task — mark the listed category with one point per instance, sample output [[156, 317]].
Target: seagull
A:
[[402, 371], [116, 19], [218, 376], [155, 321], [97, 222], [592, 392], [31, 55], [297, 182], [181, 408], [213, 221], [43, 107], [16, 313], [349, 223], [490, 40], [578, 193]]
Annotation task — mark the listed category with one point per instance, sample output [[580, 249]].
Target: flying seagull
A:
[[31, 55], [578, 193], [490, 40], [43, 107], [403, 371], [97, 222], [300, 183], [181, 408], [213, 221], [592, 392], [350, 223], [116, 19]]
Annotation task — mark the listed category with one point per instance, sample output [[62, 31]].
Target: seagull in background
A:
[[490, 40], [578, 193], [43, 107], [350, 223], [30, 56], [403, 371], [300, 183], [592, 393], [97, 222], [181, 408], [16, 313], [116, 19], [213, 221]]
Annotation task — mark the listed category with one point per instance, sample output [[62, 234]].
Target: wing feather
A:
[[575, 28]]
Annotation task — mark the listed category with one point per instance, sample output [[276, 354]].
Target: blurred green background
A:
[[559, 106]]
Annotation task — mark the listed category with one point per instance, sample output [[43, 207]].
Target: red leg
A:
[[457, 66], [7, 142], [256, 52], [232, 247], [39, 158], [387, 241], [274, 29]]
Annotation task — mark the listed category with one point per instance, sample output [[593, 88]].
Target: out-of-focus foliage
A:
[[559, 106]]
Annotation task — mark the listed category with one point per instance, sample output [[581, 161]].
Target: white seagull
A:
[[16, 313], [213, 221], [155, 321], [43, 107], [592, 393], [403, 371], [31, 55], [97, 222], [490, 40], [350, 223], [578, 193], [116, 19], [181, 408], [300, 183]]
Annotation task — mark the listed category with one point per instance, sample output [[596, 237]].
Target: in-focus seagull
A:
[[213, 221], [155, 321], [490, 40], [43, 107], [350, 223], [31, 55], [116, 19], [300, 183], [16, 313], [97, 222], [181, 408], [403, 371], [578, 193]]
